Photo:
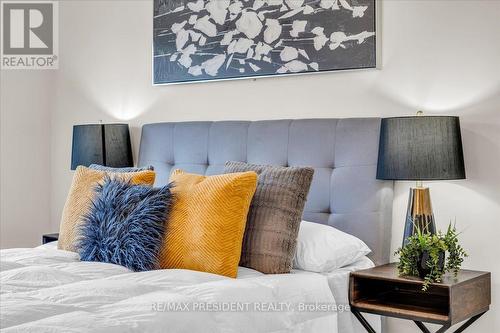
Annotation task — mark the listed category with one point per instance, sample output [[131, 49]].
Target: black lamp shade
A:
[[104, 144], [420, 148]]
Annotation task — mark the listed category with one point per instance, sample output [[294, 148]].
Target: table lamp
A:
[[104, 144], [420, 148]]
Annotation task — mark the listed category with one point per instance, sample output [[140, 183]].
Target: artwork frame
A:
[[375, 64]]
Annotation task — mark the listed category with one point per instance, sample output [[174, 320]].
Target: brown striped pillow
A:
[[274, 218]]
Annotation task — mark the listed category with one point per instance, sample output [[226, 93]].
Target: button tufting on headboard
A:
[[344, 192]]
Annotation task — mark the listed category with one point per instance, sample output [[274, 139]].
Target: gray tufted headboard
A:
[[344, 192]]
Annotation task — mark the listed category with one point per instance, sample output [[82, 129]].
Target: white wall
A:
[[25, 98], [439, 56]]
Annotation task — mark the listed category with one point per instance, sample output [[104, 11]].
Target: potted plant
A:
[[430, 256]]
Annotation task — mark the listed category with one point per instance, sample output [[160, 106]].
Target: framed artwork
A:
[[202, 40]]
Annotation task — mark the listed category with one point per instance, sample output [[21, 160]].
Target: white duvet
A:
[[48, 290]]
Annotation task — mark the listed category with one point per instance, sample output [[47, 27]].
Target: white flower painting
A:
[[198, 40]]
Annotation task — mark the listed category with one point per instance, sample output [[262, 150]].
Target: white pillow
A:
[[322, 248]]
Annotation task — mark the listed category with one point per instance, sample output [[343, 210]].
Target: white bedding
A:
[[338, 280], [48, 290]]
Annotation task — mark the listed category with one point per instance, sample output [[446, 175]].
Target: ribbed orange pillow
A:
[[205, 229], [80, 198]]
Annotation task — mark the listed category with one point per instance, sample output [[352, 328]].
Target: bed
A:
[[45, 289]]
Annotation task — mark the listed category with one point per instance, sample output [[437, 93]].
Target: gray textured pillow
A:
[[274, 217]]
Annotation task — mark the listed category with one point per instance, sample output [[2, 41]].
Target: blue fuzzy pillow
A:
[[125, 224]]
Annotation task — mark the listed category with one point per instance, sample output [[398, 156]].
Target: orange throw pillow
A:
[[205, 229], [80, 196]]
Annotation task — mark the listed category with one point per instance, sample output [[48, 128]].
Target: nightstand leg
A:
[[422, 326], [424, 329], [443, 329], [363, 321], [446, 327], [469, 322]]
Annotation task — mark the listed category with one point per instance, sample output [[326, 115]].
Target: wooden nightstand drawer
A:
[[400, 299], [380, 290]]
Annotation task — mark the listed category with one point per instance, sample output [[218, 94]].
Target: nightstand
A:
[[49, 238], [381, 291]]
